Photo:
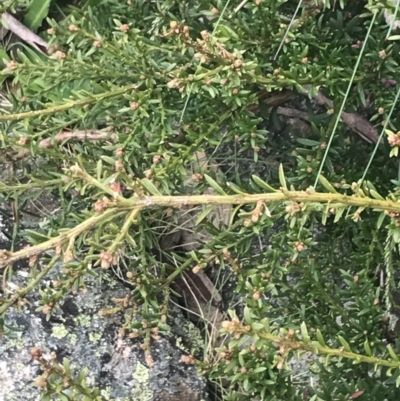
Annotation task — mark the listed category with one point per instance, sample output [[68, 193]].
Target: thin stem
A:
[[21, 294], [124, 230], [120, 205], [317, 348], [7, 258], [66, 106]]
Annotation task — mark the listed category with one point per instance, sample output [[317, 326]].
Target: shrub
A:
[[114, 120]]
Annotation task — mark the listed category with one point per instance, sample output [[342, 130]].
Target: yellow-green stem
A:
[[317, 348], [66, 106]]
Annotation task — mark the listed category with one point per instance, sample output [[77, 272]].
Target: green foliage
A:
[[36, 13], [158, 83]]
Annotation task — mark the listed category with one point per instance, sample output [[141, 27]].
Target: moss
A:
[[59, 331]]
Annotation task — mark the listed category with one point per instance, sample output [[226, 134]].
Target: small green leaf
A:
[[204, 214], [247, 315], [37, 12], [150, 186], [392, 353], [262, 184], [282, 178], [344, 343], [214, 185], [108, 160], [367, 348], [338, 214], [320, 338], [327, 185], [380, 220], [235, 188], [35, 236], [375, 194], [99, 169], [67, 366], [91, 3], [304, 333], [308, 142]]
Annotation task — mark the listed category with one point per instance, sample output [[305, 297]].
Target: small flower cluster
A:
[[235, 327], [394, 142]]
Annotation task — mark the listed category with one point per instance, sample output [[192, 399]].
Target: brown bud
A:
[[124, 28], [148, 174], [188, 359], [134, 105], [197, 177], [36, 353], [12, 65], [237, 64], [106, 259], [197, 269], [119, 166], [157, 159], [41, 382], [119, 152], [60, 55], [97, 43], [247, 223], [51, 31], [299, 246], [47, 309], [205, 35], [73, 28]]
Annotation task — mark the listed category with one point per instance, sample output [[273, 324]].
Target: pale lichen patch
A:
[[142, 391], [59, 331]]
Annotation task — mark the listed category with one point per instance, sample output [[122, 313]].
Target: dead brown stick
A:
[[288, 112], [25, 33], [11, 155], [357, 123]]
